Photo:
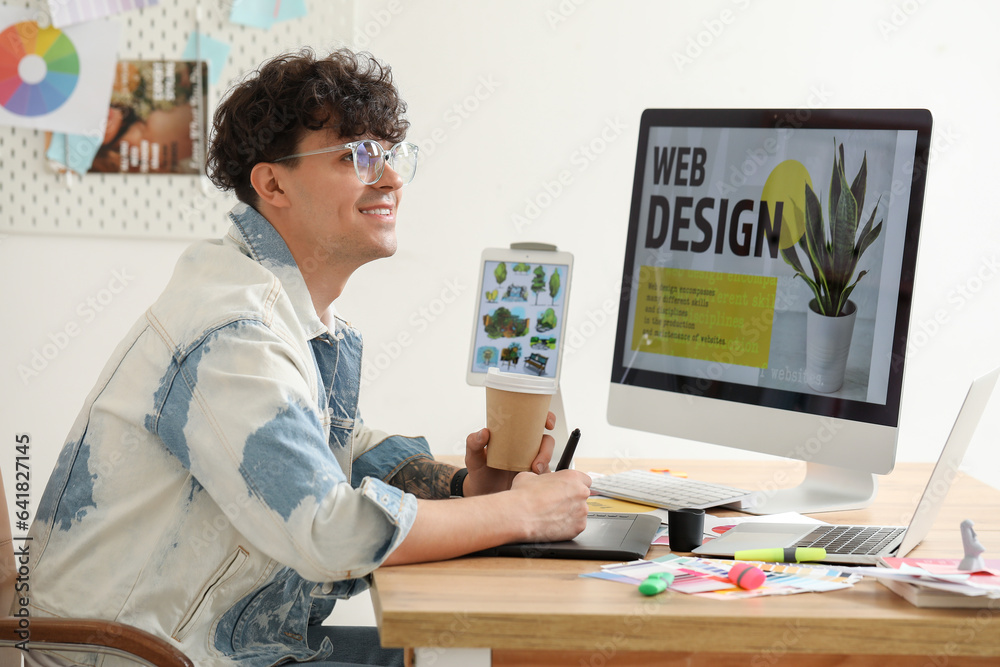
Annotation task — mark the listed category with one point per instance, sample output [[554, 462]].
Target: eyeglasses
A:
[[369, 159]]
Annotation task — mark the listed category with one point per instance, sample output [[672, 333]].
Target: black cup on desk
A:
[[685, 527]]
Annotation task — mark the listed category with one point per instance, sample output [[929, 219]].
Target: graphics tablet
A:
[[620, 537]]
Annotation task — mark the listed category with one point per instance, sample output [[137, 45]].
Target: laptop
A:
[[866, 545], [607, 536]]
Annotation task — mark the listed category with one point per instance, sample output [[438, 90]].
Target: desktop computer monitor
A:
[[767, 285]]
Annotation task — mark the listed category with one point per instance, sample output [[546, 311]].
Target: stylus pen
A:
[[567, 456]]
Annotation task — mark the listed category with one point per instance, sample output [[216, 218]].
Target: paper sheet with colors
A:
[[707, 577]]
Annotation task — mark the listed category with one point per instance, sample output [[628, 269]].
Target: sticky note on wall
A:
[[265, 13], [210, 50]]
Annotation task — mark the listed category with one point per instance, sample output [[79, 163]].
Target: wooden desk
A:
[[540, 612]]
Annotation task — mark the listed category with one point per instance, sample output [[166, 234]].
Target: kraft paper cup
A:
[[516, 408]]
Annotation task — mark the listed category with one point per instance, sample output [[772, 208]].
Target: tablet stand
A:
[[561, 432]]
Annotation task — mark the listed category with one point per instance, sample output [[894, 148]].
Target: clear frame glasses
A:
[[369, 159]]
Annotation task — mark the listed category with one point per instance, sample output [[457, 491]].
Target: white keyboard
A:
[[668, 492]]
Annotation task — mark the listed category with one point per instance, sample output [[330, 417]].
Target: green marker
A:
[[787, 555], [656, 583]]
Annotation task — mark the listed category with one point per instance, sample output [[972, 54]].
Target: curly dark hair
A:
[[264, 116]]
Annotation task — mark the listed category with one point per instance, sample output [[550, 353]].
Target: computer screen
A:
[[766, 288]]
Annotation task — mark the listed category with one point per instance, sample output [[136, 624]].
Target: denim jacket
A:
[[219, 488]]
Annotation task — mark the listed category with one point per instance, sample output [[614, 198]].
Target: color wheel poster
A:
[[52, 79]]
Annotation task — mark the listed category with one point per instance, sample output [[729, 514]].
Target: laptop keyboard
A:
[[854, 540], [661, 490]]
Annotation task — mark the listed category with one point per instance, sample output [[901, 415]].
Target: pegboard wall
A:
[[36, 200]]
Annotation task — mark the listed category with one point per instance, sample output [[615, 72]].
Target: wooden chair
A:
[[77, 635]]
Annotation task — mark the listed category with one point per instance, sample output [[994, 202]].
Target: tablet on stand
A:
[[519, 327]]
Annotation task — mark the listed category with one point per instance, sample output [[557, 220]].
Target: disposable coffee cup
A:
[[516, 408], [685, 528]]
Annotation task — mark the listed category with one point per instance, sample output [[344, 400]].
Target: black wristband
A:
[[458, 482]]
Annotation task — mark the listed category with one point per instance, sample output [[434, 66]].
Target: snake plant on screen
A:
[[833, 258]]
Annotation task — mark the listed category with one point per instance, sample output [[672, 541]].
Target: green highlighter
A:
[[656, 583], [788, 555]]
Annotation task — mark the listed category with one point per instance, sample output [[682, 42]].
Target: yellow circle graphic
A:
[[787, 184]]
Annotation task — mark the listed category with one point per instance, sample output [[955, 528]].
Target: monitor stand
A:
[[825, 488]]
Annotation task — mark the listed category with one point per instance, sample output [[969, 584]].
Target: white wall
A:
[[511, 94], [506, 97]]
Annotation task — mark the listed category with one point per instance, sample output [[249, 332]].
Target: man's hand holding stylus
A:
[[499, 507], [551, 506]]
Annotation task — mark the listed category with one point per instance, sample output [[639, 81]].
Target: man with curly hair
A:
[[219, 488]]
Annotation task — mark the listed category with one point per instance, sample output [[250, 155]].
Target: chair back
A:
[[61, 634], [8, 567]]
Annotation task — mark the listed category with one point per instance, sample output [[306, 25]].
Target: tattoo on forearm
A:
[[425, 478]]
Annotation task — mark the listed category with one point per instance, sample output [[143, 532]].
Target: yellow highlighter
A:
[[787, 555]]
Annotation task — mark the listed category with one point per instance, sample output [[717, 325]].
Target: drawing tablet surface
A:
[[606, 537]]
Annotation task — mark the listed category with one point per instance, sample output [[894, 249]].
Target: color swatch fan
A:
[[52, 79], [38, 69]]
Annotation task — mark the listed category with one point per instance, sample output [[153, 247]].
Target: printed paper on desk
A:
[[938, 573], [637, 570], [708, 577], [604, 504], [945, 565], [697, 583], [52, 79], [780, 579], [685, 580]]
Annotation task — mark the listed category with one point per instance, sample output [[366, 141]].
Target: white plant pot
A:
[[828, 342]]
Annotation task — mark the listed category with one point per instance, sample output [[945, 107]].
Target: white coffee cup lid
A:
[[525, 384]]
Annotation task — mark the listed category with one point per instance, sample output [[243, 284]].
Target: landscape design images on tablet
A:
[[520, 316]]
